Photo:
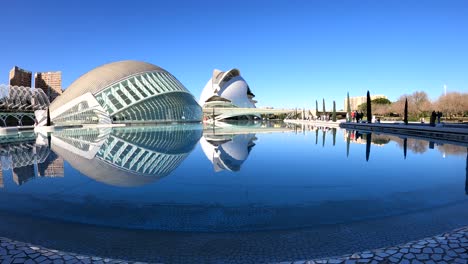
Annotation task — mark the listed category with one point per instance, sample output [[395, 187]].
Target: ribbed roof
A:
[[101, 171], [101, 77]]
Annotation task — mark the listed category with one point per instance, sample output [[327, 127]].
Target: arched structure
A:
[[24, 99], [125, 92], [228, 90]]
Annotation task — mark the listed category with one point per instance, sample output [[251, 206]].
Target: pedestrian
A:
[[433, 118], [439, 115]]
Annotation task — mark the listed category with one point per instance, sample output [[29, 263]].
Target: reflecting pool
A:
[[254, 192]]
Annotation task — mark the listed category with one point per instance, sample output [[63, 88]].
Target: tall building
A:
[[20, 77], [358, 100], [50, 83]]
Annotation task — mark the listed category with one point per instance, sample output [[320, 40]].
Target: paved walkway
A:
[[451, 247]]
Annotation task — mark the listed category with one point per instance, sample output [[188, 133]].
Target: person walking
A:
[[439, 115], [433, 118]]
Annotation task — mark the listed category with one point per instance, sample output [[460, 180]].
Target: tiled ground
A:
[[450, 247]]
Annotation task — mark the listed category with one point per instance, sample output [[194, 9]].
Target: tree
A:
[[381, 101], [405, 118], [419, 104], [453, 104], [348, 110], [316, 109], [323, 103], [369, 108], [48, 117], [334, 112]]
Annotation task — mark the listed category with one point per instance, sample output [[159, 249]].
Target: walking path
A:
[[451, 247]]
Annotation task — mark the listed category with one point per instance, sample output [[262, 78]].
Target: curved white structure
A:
[[227, 89], [227, 152]]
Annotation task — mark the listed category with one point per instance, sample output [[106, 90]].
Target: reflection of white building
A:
[[227, 152], [228, 90], [126, 157]]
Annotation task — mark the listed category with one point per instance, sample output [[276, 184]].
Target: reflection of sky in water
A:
[[284, 179]]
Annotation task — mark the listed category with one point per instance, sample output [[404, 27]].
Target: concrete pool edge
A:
[[448, 247]]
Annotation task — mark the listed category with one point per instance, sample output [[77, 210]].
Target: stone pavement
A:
[[451, 247]]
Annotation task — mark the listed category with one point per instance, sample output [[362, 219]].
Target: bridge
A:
[[221, 113]]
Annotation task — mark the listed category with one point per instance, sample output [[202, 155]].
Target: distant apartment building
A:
[[358, 100], [51, 167], [20, 77], [50, 83]]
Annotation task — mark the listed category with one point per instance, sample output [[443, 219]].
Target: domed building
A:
[[228, 90], [124, 92]]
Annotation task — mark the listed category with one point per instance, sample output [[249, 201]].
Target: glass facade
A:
[[154, 96], [140, 151]]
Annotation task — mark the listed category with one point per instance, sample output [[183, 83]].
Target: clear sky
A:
[[290, 52]]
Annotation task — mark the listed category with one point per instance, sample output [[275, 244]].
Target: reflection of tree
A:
[[415, 145], [405, 143], [334, 135], [323, 137], [348, 140], [316, 136], [418, 146], [405, 146], [368, 145], [380, 139], [451, 149], [466, 173]]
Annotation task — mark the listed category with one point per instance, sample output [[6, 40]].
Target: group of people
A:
[[357, 116], [435, 115]]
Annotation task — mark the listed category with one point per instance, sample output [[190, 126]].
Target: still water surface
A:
[[257, 178]]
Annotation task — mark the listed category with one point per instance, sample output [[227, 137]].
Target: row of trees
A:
[[452, 105]]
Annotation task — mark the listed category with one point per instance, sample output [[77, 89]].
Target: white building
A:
[[228, 90]]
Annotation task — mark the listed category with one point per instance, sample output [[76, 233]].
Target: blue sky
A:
[[290, 52]]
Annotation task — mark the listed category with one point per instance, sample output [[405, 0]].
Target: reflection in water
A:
[[316, 136], [466, 173], [323, 137], [405, 147], [334, 136], [126, 157], [368, 145], [227, 152], [415, 145], [348, 140], [29, 158]]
